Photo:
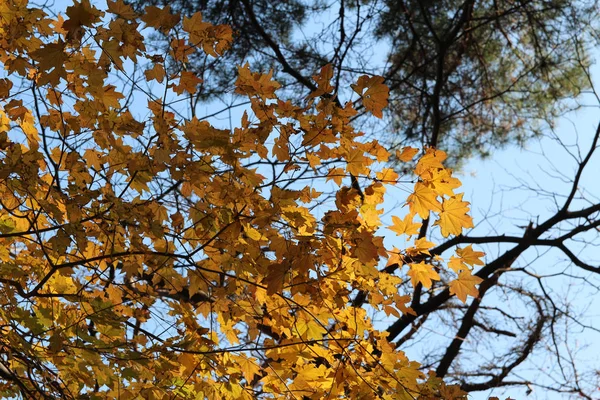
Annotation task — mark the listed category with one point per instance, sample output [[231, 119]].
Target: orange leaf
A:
[[160, 18], [5, 86], [470, 256], [81, 14], [111, 97], [394, 257], [357, 162], [337, 175], [214, 40], [407, 154], [422, 246], [255, 84], [51, 59], [375, 99], [188, 82], [195, 26], [465, 285], [248, 367], [323, 81], [365, 250], [121, 9], [155, 73], [275, 278]]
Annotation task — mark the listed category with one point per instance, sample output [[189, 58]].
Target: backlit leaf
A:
[[422, 273], [423, 200], [453, 216], [375, 98], [405, 226], [465, 285]]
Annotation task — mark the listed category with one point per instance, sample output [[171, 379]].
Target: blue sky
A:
[[496, 185]]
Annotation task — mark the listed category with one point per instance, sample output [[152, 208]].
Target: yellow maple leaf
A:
[[310, 377], [378, 151], [110, 96], [400, 303], [188, 362], [423, 200], [453, 216], [431, 160], [387, 175], [299, 218], [405, 226], [422, 273], [470, 256], [370, 215], [422, 246], [442, 182], [310, 329], [456, 264], [465, 285], [4, 121], [395, 257], [247, 366]]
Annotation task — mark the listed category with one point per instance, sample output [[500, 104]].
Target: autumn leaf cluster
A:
[[146, 252]]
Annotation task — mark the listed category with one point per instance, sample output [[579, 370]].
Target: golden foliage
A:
[[147, 254]]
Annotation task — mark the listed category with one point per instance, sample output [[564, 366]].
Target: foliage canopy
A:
[[145, 252]]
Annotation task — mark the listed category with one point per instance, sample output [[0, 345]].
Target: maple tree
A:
[[159, 256], [148, 253]]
